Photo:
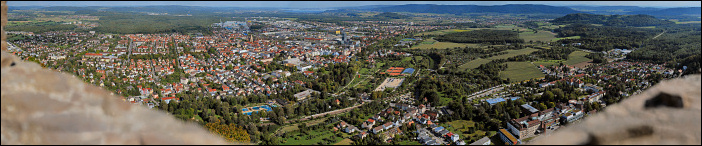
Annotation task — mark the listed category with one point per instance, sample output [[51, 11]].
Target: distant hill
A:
[[460, 9], [690, 11], [611, 20], [612, 10], [10, 8]]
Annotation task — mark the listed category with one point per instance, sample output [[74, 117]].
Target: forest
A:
[[493, 37], [136, 23], [41, 27]]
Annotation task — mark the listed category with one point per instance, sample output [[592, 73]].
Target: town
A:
[[361, 82]]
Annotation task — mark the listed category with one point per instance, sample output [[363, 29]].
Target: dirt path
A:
[[659, 34]]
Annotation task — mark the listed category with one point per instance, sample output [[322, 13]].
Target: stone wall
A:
[[667, 114], [41, 106]]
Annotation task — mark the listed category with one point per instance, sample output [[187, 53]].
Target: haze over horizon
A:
[[332, 4]]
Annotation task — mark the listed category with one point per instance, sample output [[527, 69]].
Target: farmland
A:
[[520, 71], [577, 57]]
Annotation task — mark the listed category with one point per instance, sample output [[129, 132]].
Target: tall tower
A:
[[251, 40], [343, 36]]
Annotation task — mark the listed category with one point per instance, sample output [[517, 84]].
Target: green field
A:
[[539, 36], [510, 53], [577, 57], [571, 37], [441, 45], [520, 71]]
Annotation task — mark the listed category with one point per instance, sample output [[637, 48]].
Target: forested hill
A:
[[460, 9], [611, 20]]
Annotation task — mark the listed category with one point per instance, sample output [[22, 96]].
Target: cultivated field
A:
[[577, 57], [520, 71], [542, 36]]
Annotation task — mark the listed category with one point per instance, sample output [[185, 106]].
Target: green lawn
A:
[[357, 80], [510, 53], [363, 71], [577, 57], [539, 36], [520, 71]]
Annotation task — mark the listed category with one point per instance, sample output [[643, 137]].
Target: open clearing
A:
[[520, 71], [570, 37]]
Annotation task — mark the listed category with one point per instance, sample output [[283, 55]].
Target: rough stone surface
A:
[[667, 113], [41, 106]]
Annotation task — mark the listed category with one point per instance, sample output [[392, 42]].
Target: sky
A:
[[328, 4]]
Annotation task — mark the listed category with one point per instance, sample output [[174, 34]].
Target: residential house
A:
[[378, 129]]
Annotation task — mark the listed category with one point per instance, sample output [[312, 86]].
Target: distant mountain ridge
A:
[[690, 11], [460, 9], [416, 8]]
